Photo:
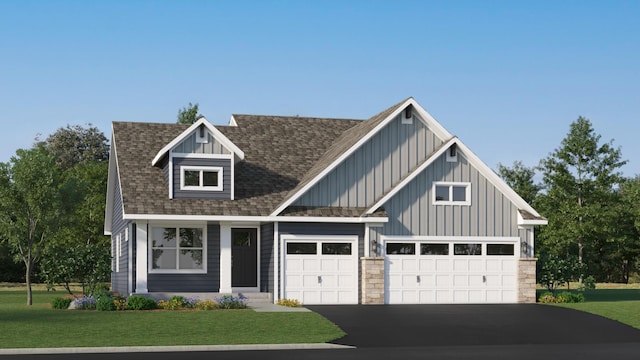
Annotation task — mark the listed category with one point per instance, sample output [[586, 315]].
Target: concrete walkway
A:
[[269, 307]]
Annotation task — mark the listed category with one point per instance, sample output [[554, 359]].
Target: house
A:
[[393, 209]]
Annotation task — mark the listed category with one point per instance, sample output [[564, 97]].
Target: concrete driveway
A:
[[370, 326]]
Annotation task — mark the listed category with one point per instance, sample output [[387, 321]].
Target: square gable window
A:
[[201, 178], [451, 193]]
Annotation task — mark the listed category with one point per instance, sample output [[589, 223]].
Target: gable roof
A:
[[274, 163], [200, 122], [351, 140]]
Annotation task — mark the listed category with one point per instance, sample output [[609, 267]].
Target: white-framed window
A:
[[207, 178], [178, 249], [451, 193]]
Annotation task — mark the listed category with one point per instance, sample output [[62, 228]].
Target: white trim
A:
[[526, 222], [233, 177], [411, 176], [118, 251], [232, 121], [367, 240], [433, 125], [225, 258], [177, 248], [450, 185], [201, 170], [201, 156], [214, 132], [281, 251], [141, 258], [129, 263], [171, 176], [276, 263], [455, 239], [227, 218]]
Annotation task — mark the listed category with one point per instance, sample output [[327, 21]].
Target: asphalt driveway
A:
[[468, 325]]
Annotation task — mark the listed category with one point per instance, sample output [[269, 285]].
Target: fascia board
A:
[[411, 176], [342, 157], [216, 134], [225, 218]]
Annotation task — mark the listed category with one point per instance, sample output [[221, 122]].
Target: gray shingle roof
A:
[[279, 151]]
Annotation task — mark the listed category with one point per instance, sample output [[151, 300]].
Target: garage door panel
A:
[[310, 265], [443, 277], [346, 281], [345, 264]]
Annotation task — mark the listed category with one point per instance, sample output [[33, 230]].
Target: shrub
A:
[[563, 297], [289, 302], [547, 298], [206, 305], [105, 303], [60, 303], [120, 303], [137, 302], [85, 303], [232, 302]]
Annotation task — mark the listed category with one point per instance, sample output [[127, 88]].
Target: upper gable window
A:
[[207, 178], [451, 193]]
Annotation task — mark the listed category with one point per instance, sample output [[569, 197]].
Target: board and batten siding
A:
[[209, 282], [119, 280], [266, 258], [412, 212], [224, 194], [191, 146], [375, 167]]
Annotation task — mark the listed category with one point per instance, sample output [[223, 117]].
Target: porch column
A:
[[142, 257], [372, 280], [225, 258], [527, 280]]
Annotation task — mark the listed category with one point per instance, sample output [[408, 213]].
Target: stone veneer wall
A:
[[527, 280], [372, 272]]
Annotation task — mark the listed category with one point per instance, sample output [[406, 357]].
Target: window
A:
[[201, 178], [451, 193], [500, 249], [178, 249], [301, 248], [336, 248], [401, 248], [467, 249], [434, 249]]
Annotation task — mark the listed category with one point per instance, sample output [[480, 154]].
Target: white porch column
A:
[[225, 258], [276, 263], [141, 257]]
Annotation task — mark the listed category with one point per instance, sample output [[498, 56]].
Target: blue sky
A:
[[506, 77]]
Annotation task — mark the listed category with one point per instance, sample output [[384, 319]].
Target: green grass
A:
[[617, 303], [40, 326]]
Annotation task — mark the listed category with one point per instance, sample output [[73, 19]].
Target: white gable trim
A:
[[523, 222], [482, 168], [113, 179], [431, 123], [215, 132], [411, 176]]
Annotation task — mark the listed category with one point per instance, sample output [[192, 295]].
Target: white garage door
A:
[[451, 271], [321, 271]]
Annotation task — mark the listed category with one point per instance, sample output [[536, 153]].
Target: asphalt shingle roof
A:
[[279, 151]]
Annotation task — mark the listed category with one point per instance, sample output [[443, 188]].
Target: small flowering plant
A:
[[85, 302], [232, 302]]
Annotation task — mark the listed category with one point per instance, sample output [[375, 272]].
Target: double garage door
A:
[[321, 270], [451, 271]]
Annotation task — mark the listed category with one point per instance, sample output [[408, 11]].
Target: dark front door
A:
[[244, 257]]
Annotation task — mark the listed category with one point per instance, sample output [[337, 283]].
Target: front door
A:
[[244, 257]]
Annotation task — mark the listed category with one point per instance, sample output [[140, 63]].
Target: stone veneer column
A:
[[372, 280], [527, 280]]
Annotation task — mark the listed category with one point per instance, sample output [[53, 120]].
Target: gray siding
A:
[[119, 280], [226, 179], [209, 282], [376, 167], [411, 211], [190, 146], [266, 258]]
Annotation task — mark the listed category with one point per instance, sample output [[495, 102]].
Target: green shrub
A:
[[206, 304], [547, 298], [563, 297], [137, 302], [105, 303], [60, 303], [120, 303]]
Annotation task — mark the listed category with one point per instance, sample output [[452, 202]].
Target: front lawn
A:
[[40, 326]]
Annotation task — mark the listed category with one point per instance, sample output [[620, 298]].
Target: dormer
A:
[[199, 163]]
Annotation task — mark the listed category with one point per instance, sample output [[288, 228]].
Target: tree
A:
[[75, 144], [88, 264], [29, 205], [189, 114], [520, 179], [579, 182]]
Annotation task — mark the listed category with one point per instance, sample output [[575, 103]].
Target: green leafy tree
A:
[[579, 181], [76, 144], [520, 178], [29, 205], [88, 264], [189, 114]]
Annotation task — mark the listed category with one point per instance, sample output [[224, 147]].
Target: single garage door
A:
[[451, 271], [321, 271]]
